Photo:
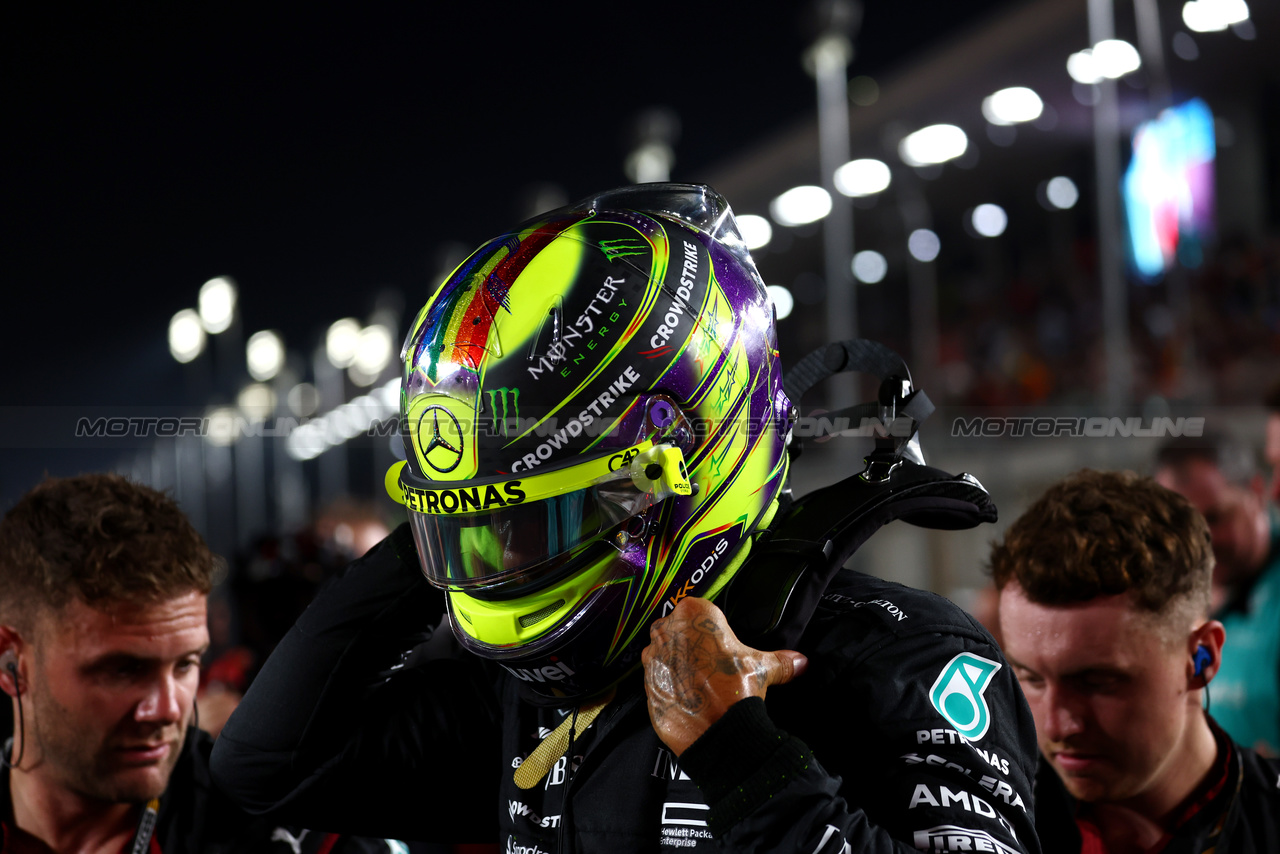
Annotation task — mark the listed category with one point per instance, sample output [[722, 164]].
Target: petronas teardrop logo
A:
[[957, 694]]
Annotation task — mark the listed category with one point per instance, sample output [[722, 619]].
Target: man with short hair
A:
[[1104, 596], [103, 589], [1218, 476]]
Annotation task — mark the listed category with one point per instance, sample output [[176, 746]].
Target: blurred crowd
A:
[[269, 586], [1205, 335]]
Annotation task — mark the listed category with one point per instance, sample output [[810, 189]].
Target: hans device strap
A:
[[777, 590]]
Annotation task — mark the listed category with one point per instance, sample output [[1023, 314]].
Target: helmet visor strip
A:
[[516, 531]]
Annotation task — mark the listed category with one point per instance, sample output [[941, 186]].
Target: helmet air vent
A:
[[541, 614]]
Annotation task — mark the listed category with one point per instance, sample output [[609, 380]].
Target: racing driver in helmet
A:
[[596, 444]]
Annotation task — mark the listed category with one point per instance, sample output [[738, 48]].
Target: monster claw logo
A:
[[447, 455], [496, 394], [621, 247]]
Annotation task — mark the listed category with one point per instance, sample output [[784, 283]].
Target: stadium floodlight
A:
[[783, 302], [340, 342], [756, 231], [373, 349], [303, 400], [217, 304], [989, 220], [933, 145], [1012, 106], [924, 245], [864, 177], [1214, 16], [800, 205], [1106, 60], [222, 426], [186, 335], [1062, 192], [264, 354], [870, 267], [256, 401]]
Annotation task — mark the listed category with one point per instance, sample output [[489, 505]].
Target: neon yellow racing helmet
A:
[[594, 427]]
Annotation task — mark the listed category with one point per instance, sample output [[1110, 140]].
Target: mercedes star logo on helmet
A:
[[450, 451]]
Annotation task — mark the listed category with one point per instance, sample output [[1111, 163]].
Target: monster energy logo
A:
[[500, 394], [622, 247]]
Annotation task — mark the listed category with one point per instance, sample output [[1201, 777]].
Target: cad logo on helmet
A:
[[957, 693], [443, 449]]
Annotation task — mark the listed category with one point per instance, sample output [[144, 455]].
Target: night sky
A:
[[321, 153]]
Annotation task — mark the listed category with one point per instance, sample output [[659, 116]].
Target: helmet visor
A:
[[517, 545], [516, 532]]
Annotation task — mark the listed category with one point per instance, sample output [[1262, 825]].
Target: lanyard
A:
[[146, 827]]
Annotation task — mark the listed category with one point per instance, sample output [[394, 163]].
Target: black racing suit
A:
[[335, 735], [1237, 813], [196, 818]]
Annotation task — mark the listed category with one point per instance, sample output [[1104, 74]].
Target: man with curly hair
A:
[[1104, 597]]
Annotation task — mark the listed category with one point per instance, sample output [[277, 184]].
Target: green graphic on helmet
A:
[[614, 364]]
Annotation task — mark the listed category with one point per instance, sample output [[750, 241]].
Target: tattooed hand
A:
[[695, 669]]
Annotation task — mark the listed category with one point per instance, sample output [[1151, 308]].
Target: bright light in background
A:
[[340, 342], [389, 394], [373, 350], [1012, 106], [307, 442], [933, 144], [1082, 68], [222, 423], [186, 335], [217, 304], [1115, 58], [923, 245], [1107, 60], [1214, 16], [350, 419], [783, 302], [264, 354], [989, 220], [303, 400], [800, 205], [1061, 192], [864, 177], [869, 267], [756, 231], [257, 401]]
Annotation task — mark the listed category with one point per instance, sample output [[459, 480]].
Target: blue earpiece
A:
[[1201, 658]]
